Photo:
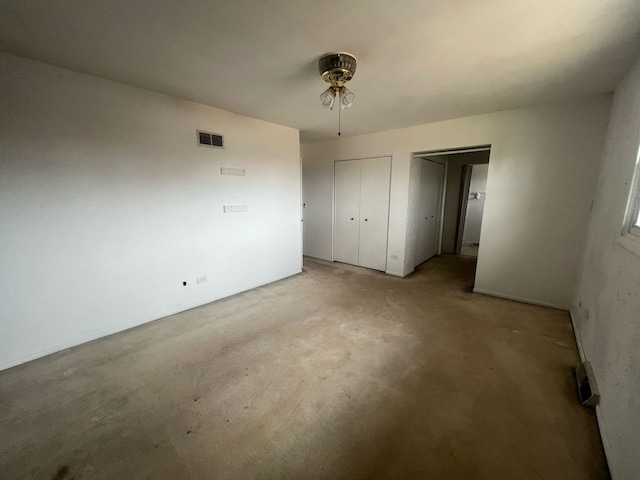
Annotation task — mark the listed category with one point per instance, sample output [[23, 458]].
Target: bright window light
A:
[[632, 224]]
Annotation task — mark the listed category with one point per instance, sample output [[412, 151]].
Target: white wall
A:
[[475, 206], [542, 174], [107, 205], [606, 305]]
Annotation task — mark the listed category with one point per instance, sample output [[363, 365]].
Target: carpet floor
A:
[[337, 373]]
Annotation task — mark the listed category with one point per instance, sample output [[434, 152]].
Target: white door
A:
[[422, 216], [347, 211], [374, 212], [428, 211]]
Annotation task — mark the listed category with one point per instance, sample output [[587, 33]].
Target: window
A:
[[632, 224]]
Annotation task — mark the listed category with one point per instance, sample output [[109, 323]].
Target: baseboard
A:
[[395, 274], [606, 444], [519, 299], [318, 258], [400, 274], [388, 272], [121, 327]]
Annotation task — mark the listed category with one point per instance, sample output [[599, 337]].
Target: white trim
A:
[[519, 299], [395, 274], [363, 158], [453, 151], [316, 257]]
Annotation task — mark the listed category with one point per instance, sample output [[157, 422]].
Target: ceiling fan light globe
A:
[[346, 98], [327, 98]]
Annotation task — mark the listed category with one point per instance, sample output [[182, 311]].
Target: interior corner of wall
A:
[[574, 315]]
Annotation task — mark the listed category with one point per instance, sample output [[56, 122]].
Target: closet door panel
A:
[[347, 211], [431, 184], [436, 180], [422, 216], [374, 212]]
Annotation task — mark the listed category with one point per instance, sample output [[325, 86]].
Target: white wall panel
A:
[[107, 205], [606, 304]]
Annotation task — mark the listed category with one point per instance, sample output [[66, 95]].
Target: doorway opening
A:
[[428, 184], [458, 200]]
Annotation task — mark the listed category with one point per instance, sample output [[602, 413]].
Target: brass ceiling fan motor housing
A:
[[337, 68]]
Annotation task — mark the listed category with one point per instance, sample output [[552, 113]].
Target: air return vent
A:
[[587, 389], [208, 139]]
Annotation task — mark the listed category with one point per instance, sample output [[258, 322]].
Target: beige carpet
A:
[[337, 373]]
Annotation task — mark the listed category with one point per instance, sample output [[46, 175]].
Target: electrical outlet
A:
[[394, 257], [201, 279]]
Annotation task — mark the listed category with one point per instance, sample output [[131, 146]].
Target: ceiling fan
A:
[[337, 69]]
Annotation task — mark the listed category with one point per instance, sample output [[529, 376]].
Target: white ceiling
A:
[[419, 61]]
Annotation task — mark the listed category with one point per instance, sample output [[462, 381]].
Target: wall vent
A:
[[209, 139], [587, 389]]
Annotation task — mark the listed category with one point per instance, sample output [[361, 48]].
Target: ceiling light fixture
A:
[[337, 69]]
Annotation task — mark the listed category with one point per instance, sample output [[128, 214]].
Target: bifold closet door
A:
[[375, 179], [362, 212], [429, 208], [347, 212]]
